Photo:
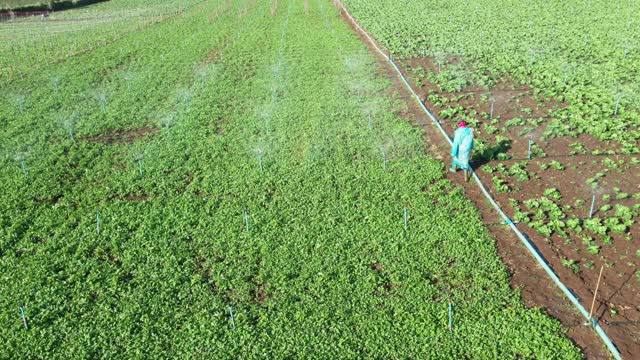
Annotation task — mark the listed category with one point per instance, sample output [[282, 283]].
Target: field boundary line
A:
[[529, 245]]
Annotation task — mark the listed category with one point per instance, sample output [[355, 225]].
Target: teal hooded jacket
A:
[[462, 146]]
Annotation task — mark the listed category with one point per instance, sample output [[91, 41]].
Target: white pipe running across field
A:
[[612, 348]]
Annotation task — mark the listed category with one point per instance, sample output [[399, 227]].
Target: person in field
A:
[[461, 151]]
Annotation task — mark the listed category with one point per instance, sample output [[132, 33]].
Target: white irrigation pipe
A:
[[612, 348]]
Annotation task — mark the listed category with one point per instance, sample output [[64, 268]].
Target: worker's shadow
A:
[[489, 154]]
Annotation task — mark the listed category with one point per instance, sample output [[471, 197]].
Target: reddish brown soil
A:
[[619, 288], [136, 197], [123, 136], [509, 101], [214, 54]]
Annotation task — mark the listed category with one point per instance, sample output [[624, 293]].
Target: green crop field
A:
[[231, 181], [551, 89], [583, 53]]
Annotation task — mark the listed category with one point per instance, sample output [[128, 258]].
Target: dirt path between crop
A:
[[526, 276]]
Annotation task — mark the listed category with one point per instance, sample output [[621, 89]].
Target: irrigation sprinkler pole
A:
[[593, 202], [615, 111], [491, 110], [98, 222], [24, 318], [529, 151], [24, 168], [405, 218], [233, 320], [450, 317], [246, 219], [595, 293], [370, 124]]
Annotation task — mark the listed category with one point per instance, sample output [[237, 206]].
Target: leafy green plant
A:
[[553, 193], [593, 249], [518, 170], [500, 185], [556, 165], [572, 265]]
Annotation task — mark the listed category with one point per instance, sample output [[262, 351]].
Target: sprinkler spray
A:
[[259, 155], [491, 109]]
